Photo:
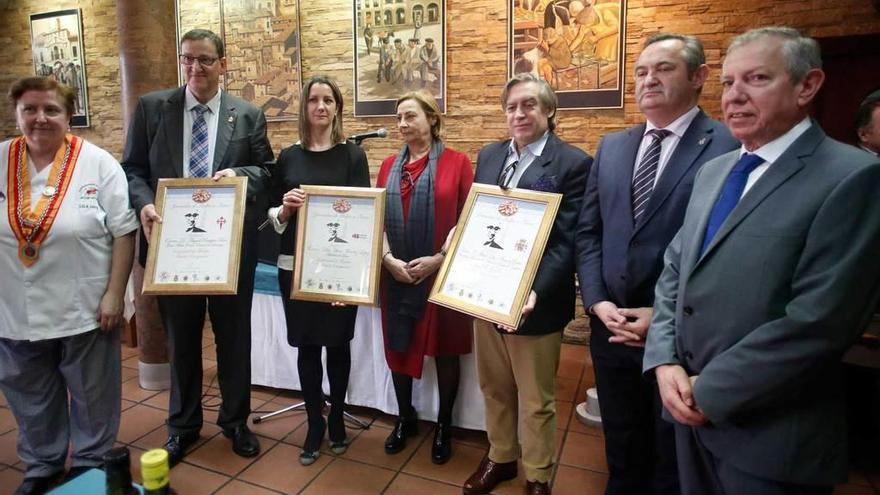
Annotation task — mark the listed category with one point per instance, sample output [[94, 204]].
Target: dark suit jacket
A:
[[618, 261], [788, 283], [154, 149], [561, 168]]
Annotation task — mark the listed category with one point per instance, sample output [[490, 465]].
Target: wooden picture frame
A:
[[339, 232], [196, 249], [495, 253]]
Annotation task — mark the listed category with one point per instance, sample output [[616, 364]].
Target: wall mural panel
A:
[[262, 52], [575, 45], [57, 52], [398, 47]]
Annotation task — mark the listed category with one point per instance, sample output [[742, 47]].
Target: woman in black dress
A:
[[322, 158]]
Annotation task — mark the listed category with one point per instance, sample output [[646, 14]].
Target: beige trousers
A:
[[517, 374]]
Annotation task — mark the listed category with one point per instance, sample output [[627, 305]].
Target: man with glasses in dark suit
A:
[[200, 131]]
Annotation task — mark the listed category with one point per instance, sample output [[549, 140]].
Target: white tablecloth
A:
[[273, 364]]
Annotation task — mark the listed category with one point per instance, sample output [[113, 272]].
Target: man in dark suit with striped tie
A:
[[634, 203], [200, 131]]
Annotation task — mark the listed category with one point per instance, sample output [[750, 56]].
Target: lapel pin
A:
[[232, 119], [702, 141]]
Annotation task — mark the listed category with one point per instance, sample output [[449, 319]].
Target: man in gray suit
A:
[[199, 131], [634, 204], [772, 276]]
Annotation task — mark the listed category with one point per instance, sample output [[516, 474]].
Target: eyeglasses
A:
[[203, 61], [507, 175], [406, 183]]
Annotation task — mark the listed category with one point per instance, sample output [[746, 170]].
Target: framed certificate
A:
[[339, 245], [197, 247], [495, 252]]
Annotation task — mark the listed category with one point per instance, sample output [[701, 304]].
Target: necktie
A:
[[198, 157], [507, 175], [730, 194], [643, 182]]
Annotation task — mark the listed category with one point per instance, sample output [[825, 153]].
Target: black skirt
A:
[[314, 323]]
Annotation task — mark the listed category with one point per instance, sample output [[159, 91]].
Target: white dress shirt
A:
[[771, 151], [677, 128], [524, 157], [58, 296], [211, 118]]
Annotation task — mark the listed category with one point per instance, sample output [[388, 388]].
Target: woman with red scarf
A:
[[426, 186]]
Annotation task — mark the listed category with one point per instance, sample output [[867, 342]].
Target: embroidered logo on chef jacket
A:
[[88, 196]]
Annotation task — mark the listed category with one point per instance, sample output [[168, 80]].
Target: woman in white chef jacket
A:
[[66, 247]]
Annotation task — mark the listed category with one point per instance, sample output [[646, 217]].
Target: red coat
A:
[[453, 181]]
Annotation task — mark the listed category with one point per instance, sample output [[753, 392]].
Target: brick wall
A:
[[102, 64], [476, 58]]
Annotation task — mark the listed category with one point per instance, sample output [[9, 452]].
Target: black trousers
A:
[[639, 444], [183, 318]]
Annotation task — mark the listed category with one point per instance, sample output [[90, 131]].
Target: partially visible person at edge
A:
[[868, 123], [321, 158], [426, 185], [66, 247]]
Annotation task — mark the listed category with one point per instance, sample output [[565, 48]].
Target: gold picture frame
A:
[[338, 245], [202, 220], [495, 253]]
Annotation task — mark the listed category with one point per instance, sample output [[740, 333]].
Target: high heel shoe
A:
[[336, 430], [405, 427], [307, 458], [312, 445], [441, 448]]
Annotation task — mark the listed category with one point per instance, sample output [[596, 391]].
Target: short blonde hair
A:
[[429, 105]]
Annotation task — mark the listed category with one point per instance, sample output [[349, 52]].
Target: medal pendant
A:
[[49, 191], [30, 251]]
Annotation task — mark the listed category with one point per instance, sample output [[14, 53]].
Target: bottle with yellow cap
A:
[[154, 468]]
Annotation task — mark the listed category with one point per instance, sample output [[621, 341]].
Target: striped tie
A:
[[198, 157], [643, 182]]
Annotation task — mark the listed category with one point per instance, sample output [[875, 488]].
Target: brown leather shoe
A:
[[537, 488], [488, 475]]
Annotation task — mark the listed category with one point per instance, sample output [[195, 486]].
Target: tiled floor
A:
[[212, 468]]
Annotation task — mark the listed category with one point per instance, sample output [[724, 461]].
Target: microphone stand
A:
[[301, 405]]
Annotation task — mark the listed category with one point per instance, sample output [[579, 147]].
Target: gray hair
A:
[[800, 53], [546, 95], [692, 52]]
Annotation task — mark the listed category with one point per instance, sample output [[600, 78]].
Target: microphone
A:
[[357, 138]]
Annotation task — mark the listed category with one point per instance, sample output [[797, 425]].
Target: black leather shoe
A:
[[244, 442], [441, 449], [176, 446], [406, 426], [537, 488], [37, 485]]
